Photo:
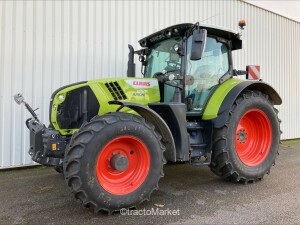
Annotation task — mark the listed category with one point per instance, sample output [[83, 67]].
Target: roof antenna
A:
[[210, 17]]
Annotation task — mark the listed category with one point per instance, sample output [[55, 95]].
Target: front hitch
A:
[[19, 99], [47, 146]]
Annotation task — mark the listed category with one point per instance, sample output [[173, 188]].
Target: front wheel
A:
[[245, 148], [115, 161]]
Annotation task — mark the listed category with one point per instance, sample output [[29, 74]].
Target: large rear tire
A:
[[245, 148], [115, 161]]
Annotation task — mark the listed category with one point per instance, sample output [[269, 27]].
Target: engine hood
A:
[[72, 105]]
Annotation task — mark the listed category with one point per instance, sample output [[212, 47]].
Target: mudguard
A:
[[161, 126], [221, 101]]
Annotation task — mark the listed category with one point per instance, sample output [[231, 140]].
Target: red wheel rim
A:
[[253, 137], [128, 180]]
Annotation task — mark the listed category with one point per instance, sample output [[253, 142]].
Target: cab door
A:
[[202, 76]]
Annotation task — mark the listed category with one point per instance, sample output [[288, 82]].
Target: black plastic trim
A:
[[160, 125], [182, 28], [58, 90], [174, 114], [80, 105]]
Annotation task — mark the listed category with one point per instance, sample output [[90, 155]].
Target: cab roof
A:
[[180, 29]]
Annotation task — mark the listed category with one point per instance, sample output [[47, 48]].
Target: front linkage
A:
[[47, 146]]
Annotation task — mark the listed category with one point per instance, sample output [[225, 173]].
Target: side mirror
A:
[[198, 43]]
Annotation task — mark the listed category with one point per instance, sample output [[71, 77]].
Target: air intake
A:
[[115, 90]]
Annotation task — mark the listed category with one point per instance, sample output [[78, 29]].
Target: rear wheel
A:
[[245, 148], [115, 161]]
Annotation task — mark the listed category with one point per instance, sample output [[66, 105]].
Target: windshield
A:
[[163, 57]]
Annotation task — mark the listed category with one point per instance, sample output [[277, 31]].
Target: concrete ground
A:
[[40, 196]]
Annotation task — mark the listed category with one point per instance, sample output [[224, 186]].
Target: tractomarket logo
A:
[[150, 212], [141, 83]]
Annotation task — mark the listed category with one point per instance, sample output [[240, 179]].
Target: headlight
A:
[[61, 97], [177, 47]]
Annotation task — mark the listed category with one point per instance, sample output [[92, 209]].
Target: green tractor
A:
[[112, 137]]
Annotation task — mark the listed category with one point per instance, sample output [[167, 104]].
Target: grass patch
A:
[[290, 142]]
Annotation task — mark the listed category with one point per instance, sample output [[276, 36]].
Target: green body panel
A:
[[215, 101], [137, 90]]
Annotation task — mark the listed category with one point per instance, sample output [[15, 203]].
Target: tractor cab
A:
[[190, 63], [171, 56]]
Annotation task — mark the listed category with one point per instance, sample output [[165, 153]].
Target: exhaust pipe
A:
[[131, 64]]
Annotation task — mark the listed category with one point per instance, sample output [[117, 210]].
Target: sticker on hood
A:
[[142, 83]]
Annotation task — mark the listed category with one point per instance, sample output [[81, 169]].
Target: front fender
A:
[[158, 122]]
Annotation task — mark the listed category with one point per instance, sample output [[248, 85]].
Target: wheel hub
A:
[[123, 165], [242, 136], [119, 162], [253, 137]]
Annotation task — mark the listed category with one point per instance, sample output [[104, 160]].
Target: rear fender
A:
[[158, 122], [236, 91]]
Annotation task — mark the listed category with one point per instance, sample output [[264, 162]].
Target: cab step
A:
[[204, 163]]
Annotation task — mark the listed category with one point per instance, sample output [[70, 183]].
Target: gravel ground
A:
[[40, 196]]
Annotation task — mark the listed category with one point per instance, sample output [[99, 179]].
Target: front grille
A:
[[79, 106], [115, 90]]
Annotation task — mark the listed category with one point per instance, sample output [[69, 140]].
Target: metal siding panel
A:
[[112, 36], [98, 40], [90, 40], [47, 44], [2, 43], [105, 36], [48, 48], [57, 34], [16, 75], [65, 45], [74, 17], [121, 45], [7, 65], [27, 69], [38, 78], [82, 43]]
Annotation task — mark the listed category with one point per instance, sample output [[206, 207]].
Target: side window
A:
[[205, 73]]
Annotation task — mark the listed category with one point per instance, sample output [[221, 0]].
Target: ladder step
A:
[[204, 163], [199, 145], [195, 128]]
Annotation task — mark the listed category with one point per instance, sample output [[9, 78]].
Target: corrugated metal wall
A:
[[47, 44]]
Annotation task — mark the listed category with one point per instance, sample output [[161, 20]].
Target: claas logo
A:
[[141, 83]]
